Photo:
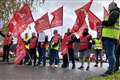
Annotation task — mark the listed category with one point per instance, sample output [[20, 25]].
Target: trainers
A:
[[87, 68], [81, 68], [73, 67], [56, 66], [106, 74], [96, 65]]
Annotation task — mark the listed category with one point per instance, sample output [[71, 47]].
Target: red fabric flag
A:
[[17, 24], [85, 8], [76, 26], [20, 20], [94, 21], [58, 17], [81, 14], [42, 23], [26, 14], [105, 13], [80, 31], [64, 48], [20, 51]]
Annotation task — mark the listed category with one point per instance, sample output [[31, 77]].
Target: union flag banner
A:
[[57, 18], [80, 31], [26, 14], [20, 51], [20, 20], [42, 23], [94, 21], [64, 48], [105, 13], [16, 24], [81, 14]]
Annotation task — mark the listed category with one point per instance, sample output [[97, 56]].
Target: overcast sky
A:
[[69, 7]]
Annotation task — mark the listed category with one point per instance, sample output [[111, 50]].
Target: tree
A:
[[9, 7]]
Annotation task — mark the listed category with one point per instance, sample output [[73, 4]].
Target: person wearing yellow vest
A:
[[98, 49], [110, 36], [26, 40], [54, 49]]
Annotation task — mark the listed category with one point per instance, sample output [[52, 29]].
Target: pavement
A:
[[25, 72]]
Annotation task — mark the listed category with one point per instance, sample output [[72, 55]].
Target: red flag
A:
[[76, 26], [94, 21], [20, 51], [20, 20], [26, 14], [42, 23], [58, 17], [105, 13], [80, 31], [85, 8], [81, 14], [64, 48], [16, 24]]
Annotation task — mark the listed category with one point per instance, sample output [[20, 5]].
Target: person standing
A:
[[32, 50], [26, 40], [110, 36], [84, 48], [54, 49], [41, 49], [98, 50], [70, 55], [6, 47]]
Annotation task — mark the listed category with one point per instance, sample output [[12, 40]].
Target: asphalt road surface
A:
[[25, 72]]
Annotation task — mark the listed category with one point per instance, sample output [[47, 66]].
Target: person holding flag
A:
[[70, 51], [32, 50], [54, 49]]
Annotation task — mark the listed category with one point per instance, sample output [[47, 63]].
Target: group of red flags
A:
[[23, 17]]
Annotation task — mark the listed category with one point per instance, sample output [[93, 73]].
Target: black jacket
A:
[[114, 14]]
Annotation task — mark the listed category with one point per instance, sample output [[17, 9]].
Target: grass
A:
[[115, 76]]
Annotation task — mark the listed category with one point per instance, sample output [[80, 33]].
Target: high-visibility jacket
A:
[[98, 44], [112, 32], [55, 40], [27, 45], [84, 42]]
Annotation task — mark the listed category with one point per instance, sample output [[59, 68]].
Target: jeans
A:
[[110, 53], [42, 56], [54, 57], [33, 56]]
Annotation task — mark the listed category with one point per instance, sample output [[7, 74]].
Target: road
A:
[[24, 72]]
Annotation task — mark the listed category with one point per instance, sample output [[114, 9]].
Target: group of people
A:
[[108, 38]]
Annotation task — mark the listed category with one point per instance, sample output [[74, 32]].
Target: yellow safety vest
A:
[[98, 44], [27, 46], [56, 47], [112, 32]]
